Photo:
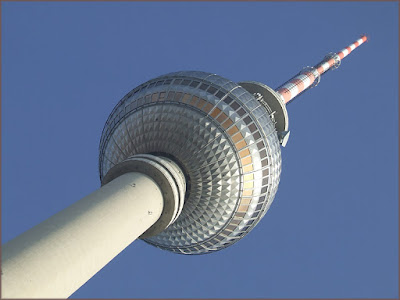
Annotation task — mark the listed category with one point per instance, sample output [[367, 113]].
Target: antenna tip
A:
[[365, 37]]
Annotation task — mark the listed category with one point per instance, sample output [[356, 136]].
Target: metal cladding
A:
[[221, 137], [311, 76]]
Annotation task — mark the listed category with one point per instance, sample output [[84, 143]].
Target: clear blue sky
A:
[[333, 228]]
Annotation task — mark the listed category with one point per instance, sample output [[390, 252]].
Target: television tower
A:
[[189, 162]]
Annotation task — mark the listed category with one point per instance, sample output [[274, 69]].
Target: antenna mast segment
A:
[[310, 76]]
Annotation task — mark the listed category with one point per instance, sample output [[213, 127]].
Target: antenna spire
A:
[[310, 76]]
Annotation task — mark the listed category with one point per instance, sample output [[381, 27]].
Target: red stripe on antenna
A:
[[310, 75], [299, 83]]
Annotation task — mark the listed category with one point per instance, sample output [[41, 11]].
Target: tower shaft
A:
[[56, 257]]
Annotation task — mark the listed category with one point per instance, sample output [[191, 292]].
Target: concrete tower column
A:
[[56, 257]]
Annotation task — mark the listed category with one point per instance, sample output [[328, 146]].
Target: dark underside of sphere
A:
[[221, 137]]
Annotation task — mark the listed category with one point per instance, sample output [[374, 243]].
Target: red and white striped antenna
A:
[[311, 76]]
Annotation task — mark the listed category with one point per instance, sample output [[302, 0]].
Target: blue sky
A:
[[332, 230]]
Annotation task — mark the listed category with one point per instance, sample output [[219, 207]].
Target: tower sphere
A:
[[223, 138]]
